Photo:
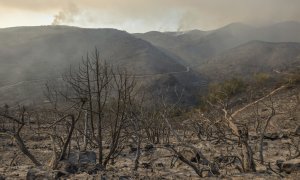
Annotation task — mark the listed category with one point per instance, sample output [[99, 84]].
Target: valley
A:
[[89, 103]]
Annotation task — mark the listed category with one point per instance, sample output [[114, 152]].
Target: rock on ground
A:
[[290, 166]]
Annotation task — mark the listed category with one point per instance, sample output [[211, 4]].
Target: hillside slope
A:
[[195, 46], [38, 52], [253, 57], [41, 53]]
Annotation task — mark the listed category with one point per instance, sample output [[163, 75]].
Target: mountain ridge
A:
[[214, 42], [241, 61], [44, 52]]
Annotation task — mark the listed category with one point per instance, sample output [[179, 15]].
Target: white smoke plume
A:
[[145, 15], [66, 15]]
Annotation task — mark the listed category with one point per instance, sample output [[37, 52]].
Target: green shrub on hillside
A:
[[261, 78], [294, 78], [226, 89]]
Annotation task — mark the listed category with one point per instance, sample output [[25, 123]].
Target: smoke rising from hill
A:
[[66, 15], [145, 15]]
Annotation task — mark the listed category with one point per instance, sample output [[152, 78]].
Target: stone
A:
[[103, 177], [66, 166], [87, 157], [73, 157], [90, 168], [39, 174], [149, 147], [84, 161], [124, 178], [146, 165], [275, 136], [2, 177], [289, 166], [84, 157], [160, 165], [132, 149], [297, 131]]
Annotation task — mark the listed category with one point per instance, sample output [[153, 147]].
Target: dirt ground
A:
[[156, 162]]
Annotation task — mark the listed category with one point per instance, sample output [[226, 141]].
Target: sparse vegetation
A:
[[261, 78], [223, 91], [293, 78], [131, 114], [98, 111]]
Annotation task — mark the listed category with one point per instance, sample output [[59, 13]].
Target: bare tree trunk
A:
[[262, 136], [247, 153], [68, 140], [85, 131], [205, 161], [138, 154], [99, 122], [25, 150], [66, 144], [16, 134], [187, 162], [243, 134], [54, 160], [90, 99]]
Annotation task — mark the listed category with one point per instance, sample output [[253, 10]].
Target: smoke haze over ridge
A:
[[146, 15]]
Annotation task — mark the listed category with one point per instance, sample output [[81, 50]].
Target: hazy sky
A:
[[146, 15]]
